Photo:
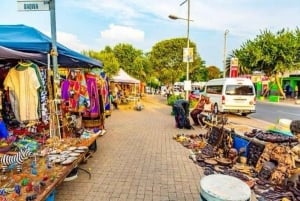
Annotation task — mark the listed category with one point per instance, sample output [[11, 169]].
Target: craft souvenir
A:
[[18, 159], [67, 162], [83, 147], [79, 151], [74, 154], [211, 161], [65, 152], [72, 148], [224, 161]]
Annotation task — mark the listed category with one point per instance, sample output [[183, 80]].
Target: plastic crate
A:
[[240, 142], [51, 197], [274, 98]]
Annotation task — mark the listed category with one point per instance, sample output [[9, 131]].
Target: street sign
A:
[[188, 54], [33, 5], [234, 64], [187, 85]]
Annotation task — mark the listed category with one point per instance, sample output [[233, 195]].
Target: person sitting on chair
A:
[[208, 108], [197, 110]]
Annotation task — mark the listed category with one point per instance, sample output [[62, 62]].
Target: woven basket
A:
[[91, 123]]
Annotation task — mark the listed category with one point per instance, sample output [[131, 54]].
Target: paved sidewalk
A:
[[137, 160], [287, 102]]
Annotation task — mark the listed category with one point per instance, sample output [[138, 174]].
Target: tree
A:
[[200, 74], [126, 54], [213, 72], [271, 53], [110, 62], [166, 58]]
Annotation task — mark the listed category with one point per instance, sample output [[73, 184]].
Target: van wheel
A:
[[216, 109], [244, 114]]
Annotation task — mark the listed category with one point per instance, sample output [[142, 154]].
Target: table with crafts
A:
[[42, 173]]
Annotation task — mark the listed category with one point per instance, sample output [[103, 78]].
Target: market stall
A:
[[267, 161], [126, 88], [33, 158]]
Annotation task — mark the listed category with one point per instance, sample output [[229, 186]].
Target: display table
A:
[[47, 178]]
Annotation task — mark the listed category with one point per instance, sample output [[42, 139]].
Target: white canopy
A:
[[123, 77]]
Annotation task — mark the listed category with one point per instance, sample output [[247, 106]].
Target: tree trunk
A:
[[277, 81]]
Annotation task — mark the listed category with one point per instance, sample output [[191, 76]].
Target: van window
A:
[[214, 89], [239, 90]]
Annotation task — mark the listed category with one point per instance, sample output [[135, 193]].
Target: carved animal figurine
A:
[[18, 159]]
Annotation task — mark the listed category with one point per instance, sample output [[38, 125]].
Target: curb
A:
[[291, 103]]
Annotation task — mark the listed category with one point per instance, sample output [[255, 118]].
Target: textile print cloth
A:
[[74, 92], [93, 110]]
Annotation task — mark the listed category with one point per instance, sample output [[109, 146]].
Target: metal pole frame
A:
[[188, 47], [54, 55], [224, 53]]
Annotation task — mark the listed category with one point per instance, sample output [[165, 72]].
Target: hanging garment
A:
[[93, 110], [74, 92], [44, 111], [23, 85]]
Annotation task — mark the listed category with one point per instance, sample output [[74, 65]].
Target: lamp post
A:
[[173, 17], [224, 56]]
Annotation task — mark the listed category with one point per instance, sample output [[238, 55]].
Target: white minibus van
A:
[[235, 95]]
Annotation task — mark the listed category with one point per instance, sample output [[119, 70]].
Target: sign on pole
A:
[[188, 54], [234, 64], [33, 5], [187, 85]]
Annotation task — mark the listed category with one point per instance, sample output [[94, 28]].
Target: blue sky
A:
[[93, 24]]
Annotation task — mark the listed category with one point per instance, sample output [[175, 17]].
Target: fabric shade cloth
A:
[[123, 77], [28, 39], [7, 53]]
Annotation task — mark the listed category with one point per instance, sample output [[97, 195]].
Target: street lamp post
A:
[[224, 56], [173, 17]]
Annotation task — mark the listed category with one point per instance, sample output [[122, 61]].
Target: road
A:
[[272, 112]]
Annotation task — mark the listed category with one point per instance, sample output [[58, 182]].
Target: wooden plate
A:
[[211, 161], [224, 161]]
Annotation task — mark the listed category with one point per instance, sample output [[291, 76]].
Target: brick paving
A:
[[137, 160]]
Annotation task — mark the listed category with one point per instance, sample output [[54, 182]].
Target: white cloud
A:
[[118, 34], [71, 41]]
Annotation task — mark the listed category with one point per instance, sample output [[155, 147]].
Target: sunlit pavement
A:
[[137, 159]]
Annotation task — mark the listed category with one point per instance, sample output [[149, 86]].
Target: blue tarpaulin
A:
[[28, 39]]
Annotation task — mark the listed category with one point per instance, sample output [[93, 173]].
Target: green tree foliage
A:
[[126, 54], [213, 72], [271, 53], [166, 58], [110, 62], [200, 74]]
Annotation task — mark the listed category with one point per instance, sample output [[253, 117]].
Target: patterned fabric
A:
[[44, 96], [74, 92], [93, 110]]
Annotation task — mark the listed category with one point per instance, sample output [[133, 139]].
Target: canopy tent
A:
[[7, 53], [28, 39], [123, 77]]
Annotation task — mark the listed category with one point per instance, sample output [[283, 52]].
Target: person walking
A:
[[296, 91]]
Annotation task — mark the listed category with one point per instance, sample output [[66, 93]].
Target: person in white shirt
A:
[[207, 108]]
